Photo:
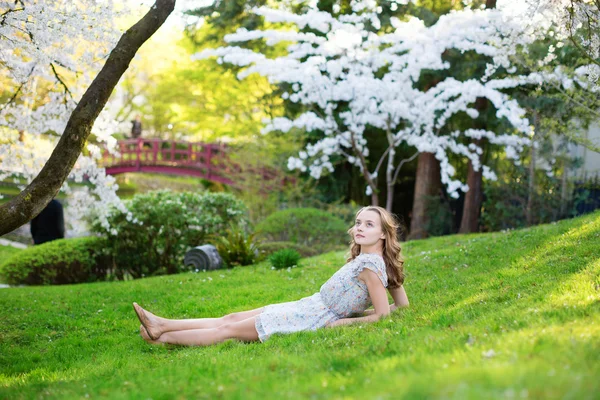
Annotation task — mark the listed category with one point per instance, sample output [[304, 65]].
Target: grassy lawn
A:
[[504, 315]]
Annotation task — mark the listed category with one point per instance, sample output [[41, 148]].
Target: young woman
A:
[[374, 264]]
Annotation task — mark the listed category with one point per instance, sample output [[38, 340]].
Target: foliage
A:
[[59, 262], [260, 176], [505, 201], [7, 251], [575, 21], [479, 305], [587, 195], [351, 74], [285, 258], [307, 226], [164, 226], [236, 246], [440, 218], [269, 248]]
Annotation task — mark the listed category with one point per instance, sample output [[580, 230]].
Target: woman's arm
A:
[[378, 298], [399, 296], [400, 300]]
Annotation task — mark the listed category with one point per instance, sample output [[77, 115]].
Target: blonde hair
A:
[[392, 256]]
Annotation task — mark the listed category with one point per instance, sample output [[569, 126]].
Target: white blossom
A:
[[343, 63], [50, 51]]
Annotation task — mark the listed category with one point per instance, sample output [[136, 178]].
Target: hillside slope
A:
[[500, 315]]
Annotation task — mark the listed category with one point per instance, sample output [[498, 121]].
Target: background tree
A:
[[338, 71]]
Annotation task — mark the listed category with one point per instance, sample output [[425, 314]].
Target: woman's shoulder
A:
[[372, 258]]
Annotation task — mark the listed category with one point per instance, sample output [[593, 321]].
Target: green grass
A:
[[492, 316]]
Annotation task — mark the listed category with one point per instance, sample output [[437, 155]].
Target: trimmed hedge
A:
[[271, 247], [59, 262], [310, 227]]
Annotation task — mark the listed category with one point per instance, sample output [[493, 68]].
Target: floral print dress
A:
[[341, 296]]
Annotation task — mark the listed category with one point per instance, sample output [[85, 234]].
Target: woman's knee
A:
[[243, 330], [231, 318], [241, 315]]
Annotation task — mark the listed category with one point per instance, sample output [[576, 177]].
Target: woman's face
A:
[[367, 228]]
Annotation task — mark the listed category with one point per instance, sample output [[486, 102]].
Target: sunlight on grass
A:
[[580, 289], [501, 315]]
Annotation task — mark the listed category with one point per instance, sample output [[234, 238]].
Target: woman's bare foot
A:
[[146, 337], [150, 321]]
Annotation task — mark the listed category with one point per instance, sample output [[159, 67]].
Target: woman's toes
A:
[[146, 337], [150, 323]]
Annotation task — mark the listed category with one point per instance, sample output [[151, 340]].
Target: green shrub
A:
[[59, 262], [285, 258], [306, 226], [271, 247], [168, 224], [236, 247], [440, 220]]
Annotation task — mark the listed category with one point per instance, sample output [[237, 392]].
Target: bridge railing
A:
[[137, 152], [207, 160]]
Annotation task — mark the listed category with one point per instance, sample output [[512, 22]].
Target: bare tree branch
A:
[[401, 164]]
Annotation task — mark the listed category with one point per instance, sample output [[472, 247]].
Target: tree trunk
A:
[[531, 189], [473, 198], [31, 201], [389, 173], [428, 183], [563, 191]]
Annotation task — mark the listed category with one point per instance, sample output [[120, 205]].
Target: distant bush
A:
[[59, 262], [271, 247], [168, 224], [236, 247], [306, 226], [440, 219], [284, 258]]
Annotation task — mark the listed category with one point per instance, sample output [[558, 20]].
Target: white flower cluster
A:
[[578, 20], [373, 77], [50, 51], [26, 158]]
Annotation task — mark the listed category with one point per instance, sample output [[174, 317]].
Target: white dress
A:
[[341, 296]]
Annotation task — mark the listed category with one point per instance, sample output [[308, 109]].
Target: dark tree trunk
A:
[[563, 191], [428, 183], [473, 198], [31, 201], [532, 162]]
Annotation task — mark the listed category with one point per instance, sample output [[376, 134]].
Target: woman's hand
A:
[[332, 324]]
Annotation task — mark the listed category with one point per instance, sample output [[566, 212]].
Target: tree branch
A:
[[64, 85], [9, 102], [402, 163], [31, 201]]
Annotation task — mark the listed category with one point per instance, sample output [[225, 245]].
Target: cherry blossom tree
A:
[[58, 45], [350, 78], [576, 22]]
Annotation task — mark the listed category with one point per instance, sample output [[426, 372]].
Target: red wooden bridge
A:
[[204, 160]]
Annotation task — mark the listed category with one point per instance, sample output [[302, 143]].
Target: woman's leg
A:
[[156, 326], [243, 330]]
